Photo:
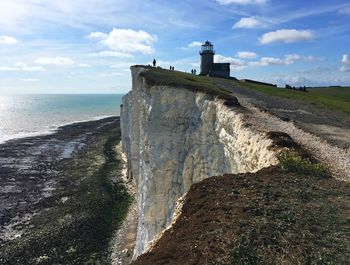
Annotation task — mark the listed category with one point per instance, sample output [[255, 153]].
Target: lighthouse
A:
[[208, 67], [207, 57]]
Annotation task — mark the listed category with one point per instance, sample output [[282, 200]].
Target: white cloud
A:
[[247, 55], [178, 22], [194, 44], [19, 66], [236, 64], [346, 63], [24, 67], [345, 59], [27, 15], [191, 45], [248, 23], [8, 40], [84, 65], [122, 65], [111, 54], [110, 74], [8, 68], [344, 11], [313, 77], [126, 40], [286, 35], [29, 79], [345, 68], [287, 60], [241, 2], [292, 58], [97, 36], [54, 61], [33, 69], [266, 61], [295, 80], [312, 58]]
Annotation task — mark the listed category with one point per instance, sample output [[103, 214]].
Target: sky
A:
[[87, 46]]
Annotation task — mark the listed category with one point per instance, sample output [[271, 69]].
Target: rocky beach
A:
[[62, 195]]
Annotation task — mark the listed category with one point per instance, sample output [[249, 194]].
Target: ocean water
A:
[[28, 115]]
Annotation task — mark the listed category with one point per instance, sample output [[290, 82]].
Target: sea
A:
[[30, 115]]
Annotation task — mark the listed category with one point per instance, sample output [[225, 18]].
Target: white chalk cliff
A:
[[174, 137]]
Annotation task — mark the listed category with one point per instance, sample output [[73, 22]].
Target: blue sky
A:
[[80, 46]]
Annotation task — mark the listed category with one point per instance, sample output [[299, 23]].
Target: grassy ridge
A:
[[337, 98], [158, 76], [332, 97]]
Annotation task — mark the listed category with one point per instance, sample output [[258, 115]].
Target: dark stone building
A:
[[208, 67]]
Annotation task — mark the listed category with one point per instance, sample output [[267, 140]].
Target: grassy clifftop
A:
[[162, 77], [332, 97]]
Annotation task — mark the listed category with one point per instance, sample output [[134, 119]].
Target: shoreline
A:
[[51, 131], [123, 240], [57, 201]]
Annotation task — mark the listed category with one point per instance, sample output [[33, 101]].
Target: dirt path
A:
[[330, 145], [336, 159], [332, 125]]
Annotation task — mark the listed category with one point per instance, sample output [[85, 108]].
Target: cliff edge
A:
[[179, 129]]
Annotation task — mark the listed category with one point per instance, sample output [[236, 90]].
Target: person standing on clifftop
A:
[[154, 62]]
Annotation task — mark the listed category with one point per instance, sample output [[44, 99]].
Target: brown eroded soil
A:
[[268, 217]]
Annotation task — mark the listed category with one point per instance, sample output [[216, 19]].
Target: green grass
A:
[[332, 97], [293, 162], [337, 98], [158, 76]]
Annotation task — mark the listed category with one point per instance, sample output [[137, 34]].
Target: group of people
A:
[[303, 89], [172, 68]]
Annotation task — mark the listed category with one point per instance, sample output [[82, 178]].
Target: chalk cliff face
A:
[[174, 137]]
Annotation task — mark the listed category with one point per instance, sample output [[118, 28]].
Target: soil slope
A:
[[269, 217]]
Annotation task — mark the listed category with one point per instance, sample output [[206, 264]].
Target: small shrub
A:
[[295, 163]]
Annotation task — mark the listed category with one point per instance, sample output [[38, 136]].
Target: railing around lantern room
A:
[[207, 49]]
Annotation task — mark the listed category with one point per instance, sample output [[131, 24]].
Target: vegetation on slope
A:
[[273, 216], [331, 97], [293, 162], [294, 158]]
